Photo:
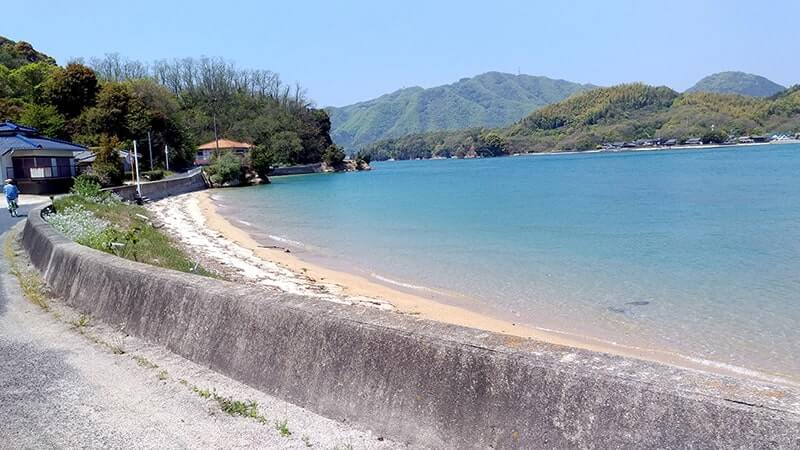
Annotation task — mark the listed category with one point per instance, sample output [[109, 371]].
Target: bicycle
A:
[[12, 207]]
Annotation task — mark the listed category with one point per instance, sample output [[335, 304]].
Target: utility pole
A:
[[166, 155], [150, 147], [136, 169], [214, 112]]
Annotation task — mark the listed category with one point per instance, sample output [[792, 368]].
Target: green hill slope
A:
[[16, 54], [737, 83], [626, 112], [492, 99]]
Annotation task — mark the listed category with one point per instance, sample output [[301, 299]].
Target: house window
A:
[[38, 167]]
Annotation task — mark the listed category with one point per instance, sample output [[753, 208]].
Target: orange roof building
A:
[[206, 151]]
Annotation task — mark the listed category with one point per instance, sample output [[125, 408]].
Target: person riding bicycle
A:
[[12, 194]]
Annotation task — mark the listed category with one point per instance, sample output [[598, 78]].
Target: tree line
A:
[[116, 100]]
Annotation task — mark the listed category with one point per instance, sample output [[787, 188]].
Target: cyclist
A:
[[12, 195]]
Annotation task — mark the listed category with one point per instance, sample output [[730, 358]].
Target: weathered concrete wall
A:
[[156, 190], [415, 380]]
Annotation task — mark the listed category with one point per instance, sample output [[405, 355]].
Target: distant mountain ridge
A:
[[492, 99], [624, 113], [740, 83]]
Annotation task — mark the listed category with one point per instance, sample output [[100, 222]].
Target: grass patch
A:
[[162, 375], [81, 322], [246, 408], [30, 281], [144, 362], [123, 230]]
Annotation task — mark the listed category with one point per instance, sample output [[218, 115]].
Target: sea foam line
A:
[[400, 283], [284, 240]]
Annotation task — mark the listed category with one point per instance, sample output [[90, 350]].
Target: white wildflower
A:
[[78, 223]]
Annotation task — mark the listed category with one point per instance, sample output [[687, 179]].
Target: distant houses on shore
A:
[[661, 142], [207, 150]]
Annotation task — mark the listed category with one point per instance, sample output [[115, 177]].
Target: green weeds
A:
[[246, 408], [283, 427]]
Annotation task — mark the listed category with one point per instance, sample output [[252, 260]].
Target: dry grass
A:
[[30, 281]]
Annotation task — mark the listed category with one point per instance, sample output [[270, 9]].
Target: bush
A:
[[364, 157], [153, 175], [333, 156], [87, 186], [225, 169]]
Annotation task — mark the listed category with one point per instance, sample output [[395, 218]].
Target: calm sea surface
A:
[[691, 251]]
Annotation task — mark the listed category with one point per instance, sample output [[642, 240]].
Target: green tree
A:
[[26, 82], [111, 113], [107, 166], [286, 147], [45, 118], [714, 137], [71, 89], [261, 160], [333, 156]]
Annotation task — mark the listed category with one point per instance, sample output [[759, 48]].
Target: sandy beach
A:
[[221, 246]]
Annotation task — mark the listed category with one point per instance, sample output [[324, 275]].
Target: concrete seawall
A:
[[415, 380], [296, 170], [156, 190]]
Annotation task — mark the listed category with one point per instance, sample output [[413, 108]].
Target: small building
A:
[[694, 141], [671, 142], [206, 151], [85, 159], [39, 164]]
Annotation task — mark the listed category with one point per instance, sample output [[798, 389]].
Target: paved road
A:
[[60, 389]]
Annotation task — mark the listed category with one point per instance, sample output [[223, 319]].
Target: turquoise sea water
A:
[[691, 251]]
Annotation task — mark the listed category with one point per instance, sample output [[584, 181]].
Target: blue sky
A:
[[348, 51]]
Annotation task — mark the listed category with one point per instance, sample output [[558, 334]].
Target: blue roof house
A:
[[39, 164]]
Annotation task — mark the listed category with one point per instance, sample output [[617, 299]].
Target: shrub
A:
[[153, 175], [225, 169], [86, 185], [364, 157]]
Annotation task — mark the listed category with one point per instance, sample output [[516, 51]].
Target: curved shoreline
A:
[[417, 305]]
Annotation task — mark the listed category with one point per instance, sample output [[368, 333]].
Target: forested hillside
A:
[[114, 99], [737, 83], [621, 113], [492, 99]]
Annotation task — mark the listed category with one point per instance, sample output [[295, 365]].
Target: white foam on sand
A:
[[184, 220]]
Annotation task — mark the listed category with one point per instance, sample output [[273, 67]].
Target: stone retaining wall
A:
[[415, 380], [296, 170]]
